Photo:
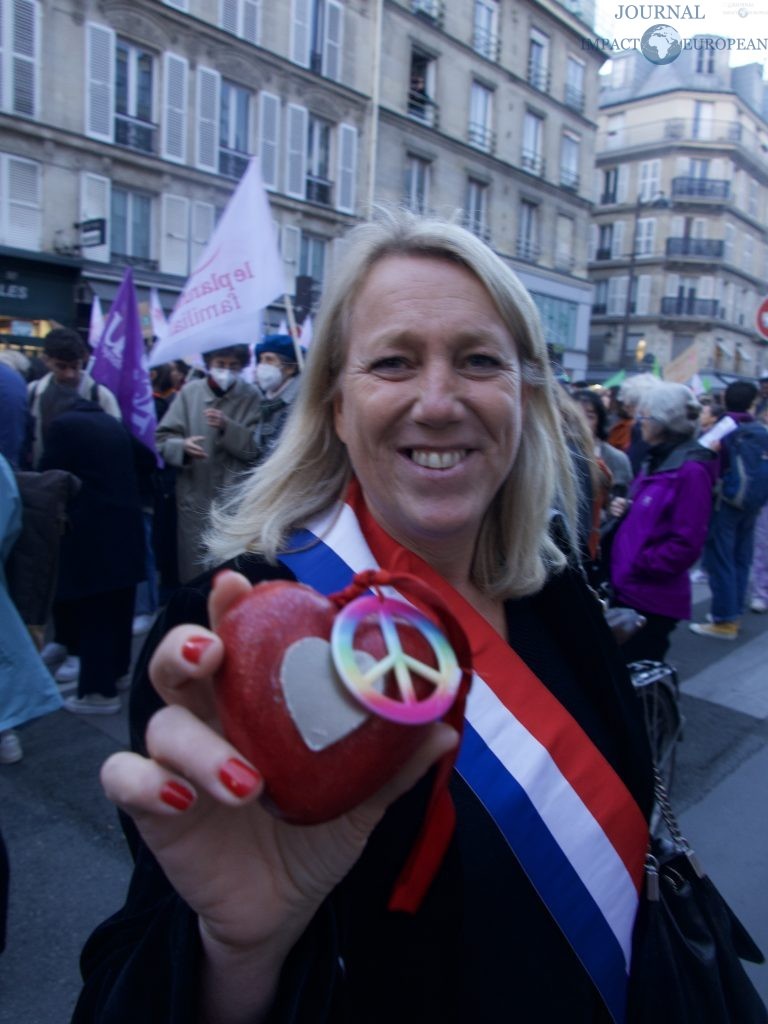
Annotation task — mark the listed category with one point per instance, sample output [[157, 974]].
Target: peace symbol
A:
[[361, 681]]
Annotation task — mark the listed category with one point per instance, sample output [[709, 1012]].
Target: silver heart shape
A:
[[318, 702]]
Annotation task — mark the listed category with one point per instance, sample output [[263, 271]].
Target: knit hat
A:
[[280, 344]]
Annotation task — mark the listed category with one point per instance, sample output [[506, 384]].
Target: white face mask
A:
[[268, 377], [224, 378]]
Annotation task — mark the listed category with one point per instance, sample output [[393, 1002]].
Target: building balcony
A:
[[232, 164], [319, 190], [481, 137], [679, 131], [134, 133], [701, 188], [696, 248], [487, 44], [574, 98], [423, 108], [527, 250], [604, 254], [123, 259], [538, 76], [683, 306], [431, 10], [569, 179], [477, 226], [532, 162]]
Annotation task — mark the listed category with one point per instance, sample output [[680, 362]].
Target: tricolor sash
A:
[[565, 813]]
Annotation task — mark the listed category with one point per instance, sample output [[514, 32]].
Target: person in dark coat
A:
[[15, 421], [102, 556]]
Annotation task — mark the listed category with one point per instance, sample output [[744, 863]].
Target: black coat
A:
[[482, 949], [103, 549]]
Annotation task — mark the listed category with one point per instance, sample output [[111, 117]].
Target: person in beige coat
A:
[[207, 434]]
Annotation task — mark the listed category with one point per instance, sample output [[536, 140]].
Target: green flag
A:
[[615, 380]]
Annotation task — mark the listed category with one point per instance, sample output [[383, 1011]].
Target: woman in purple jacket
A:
[[665, 527]]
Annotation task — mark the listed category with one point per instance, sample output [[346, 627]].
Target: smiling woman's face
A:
[[429, 402]]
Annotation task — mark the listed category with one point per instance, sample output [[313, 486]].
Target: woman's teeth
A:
[[437, 460]]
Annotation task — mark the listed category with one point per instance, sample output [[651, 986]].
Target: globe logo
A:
[[661, 44]]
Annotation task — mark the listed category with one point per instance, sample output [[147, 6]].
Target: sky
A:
[[734, 19]]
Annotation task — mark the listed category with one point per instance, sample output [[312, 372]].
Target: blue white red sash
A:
[[570, 821]]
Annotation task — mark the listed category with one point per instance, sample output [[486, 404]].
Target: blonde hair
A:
[[309, 469]]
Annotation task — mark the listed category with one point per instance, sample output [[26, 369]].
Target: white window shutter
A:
[[290, 245], [673, 282], [201, 229], [228, 16], [296, 152], [208, 86], [269, 139], [622, 183], [301, 29], [643, 294], [100, 87], [617, 240], [95, 195], [174, 108], [251, 20], [593, 237], [24, 54], [347, 167], [333, 40], [23, 211], [677, 226], [706, 286], [174, 246]]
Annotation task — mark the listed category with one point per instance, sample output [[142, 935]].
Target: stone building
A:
[[126, 126], [679, 248]]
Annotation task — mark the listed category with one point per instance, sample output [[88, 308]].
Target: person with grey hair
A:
[[425, 439], [664, 530]]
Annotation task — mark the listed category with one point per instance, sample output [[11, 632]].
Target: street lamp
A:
[[658, 201]]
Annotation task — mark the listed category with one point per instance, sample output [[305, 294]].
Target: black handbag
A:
[[689, 944]]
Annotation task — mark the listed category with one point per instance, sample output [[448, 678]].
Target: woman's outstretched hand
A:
[[254, 881]]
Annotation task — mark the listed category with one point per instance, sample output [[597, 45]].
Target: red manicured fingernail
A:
[[239, 778], [194, 647], [177, 795]]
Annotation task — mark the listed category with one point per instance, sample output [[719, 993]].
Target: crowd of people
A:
[[425, 435]]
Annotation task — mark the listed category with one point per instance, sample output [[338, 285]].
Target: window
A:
[[538, 60], [698, 168], [705, 62], [269, 138], [610, 185], [421, 89], [234, 136], [645, 236], [605, 242], [533, 140], [311, 145], [130, 224], [617, 295], [702, 119], [574, 84], [417, 184], [19, 57], [528, 231], [186, 229], [570, 150], [485, 29], [476, 208], [20, 202], [479, 131], [133, 97], [565, 231], [753, 198], [319, 184], [312, 254], [748, 250], [241, 18], [317, 35], [432, 10], [600, 300], [650, 179]]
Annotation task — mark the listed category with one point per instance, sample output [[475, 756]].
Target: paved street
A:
[[70, 868]]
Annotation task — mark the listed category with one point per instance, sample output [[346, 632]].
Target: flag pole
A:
[[294, 331]]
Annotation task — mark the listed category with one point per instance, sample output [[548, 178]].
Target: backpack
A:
[[745, 482]]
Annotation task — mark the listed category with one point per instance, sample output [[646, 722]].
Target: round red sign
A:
[[761, 320]]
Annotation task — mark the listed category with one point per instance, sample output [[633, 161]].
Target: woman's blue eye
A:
[[481, 361], [389, 363]]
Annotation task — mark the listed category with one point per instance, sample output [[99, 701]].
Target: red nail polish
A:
[[177, 795], [239, 778], [194, 647]]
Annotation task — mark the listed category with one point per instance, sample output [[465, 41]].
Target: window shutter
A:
[[347, 169], [251, 20], [208, 86], [706, 285], [95, 195], [24, 44], [617, 241], [228, 16], [100, 88], [301, 26], [296, 154], [174, 248], [622, 183], [673, 282], [593, 237], [24, 215], [201, 229], [290, 243], [333, 40], [174, 108], [269, 138], [643, 294]]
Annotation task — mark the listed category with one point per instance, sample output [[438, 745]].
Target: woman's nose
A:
[[438, 397]]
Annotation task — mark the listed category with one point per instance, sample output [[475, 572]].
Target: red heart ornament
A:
[[283, 706]]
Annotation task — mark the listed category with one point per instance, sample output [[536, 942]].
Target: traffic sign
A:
[[761, 320]]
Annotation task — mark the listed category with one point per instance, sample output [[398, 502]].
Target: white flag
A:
[[306, 333], [157, 315], [239, 274], [96, 326]]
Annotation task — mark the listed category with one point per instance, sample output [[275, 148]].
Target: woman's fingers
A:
[[182, 667], [228, 588]]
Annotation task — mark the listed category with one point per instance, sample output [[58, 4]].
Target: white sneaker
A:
[[142, 624], [758, 605], [93, 704], [10, 747], [69, 670], [53, 655]]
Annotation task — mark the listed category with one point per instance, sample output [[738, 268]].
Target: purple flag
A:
[[120, 364]]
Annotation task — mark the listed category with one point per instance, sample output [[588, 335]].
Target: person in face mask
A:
[[277, 374], [207, 434]]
